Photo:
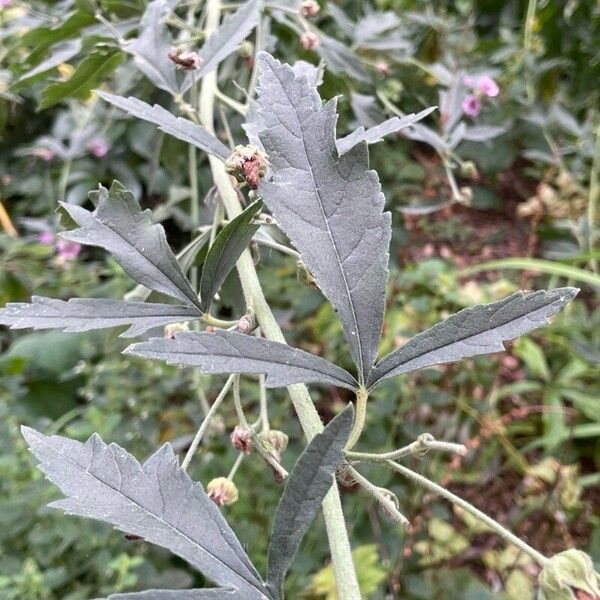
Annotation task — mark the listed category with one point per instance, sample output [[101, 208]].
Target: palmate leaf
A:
[[206, 594], [231, 352], [157, 501], [331, 208], [120, 226], [224, 253], [473, 331], [86, 314], [305, 489], [183, 129], [378, 132]]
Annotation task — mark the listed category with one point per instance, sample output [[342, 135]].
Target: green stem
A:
[[362, 396], [341, 555], [527, 47], [594, 201], [511, 538]]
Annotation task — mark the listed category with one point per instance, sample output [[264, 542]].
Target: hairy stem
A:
[[494, 525], [362, 396], [341, 556]]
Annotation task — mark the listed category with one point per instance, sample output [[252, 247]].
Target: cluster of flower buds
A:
[[481, 87], [309, 9], [241, 438], [187, 60], [309, 40], [274, 442], [248, 163], [222, 491]]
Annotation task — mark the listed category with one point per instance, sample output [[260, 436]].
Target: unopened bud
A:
[[469, 169], [309, 9], [274, 441], [173, 328], [241, 438], [186, 59], [247, 163], [569, 575], [466, 195], [222, 491], [382, 67], [246, 49], [309, 40], [246, 324]]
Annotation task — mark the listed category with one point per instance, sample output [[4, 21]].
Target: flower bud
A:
[[173, 328], [469, 169], [569, 575], [241, 439], [274, 441], [382, 67], [222, 491], [246, 49], [247, 163], [309, 40], [186, 59], [309, 9], [246, 324]]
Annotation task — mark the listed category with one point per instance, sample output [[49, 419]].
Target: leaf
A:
[[473, 331], [228, 246], [120, 226], [330, 207], [157, 501], [231, 352], [422, 133], [86, 76], [341, 60], [205, 594], [61, 53], [151, 48], [378, 132], [182, 129], [482, 133], [310, 480], [85, 314], [229, 36]]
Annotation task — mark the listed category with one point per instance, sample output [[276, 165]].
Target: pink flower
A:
[[5, 3], [309, 40], [241, 440], [44, 154], [98, 147], [487, 86], [67, 250], [471, 105], [46, 238]]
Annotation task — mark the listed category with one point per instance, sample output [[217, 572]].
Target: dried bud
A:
[[309, 40], [274, 441], [569, 575], [222, 491], [186, 59], [382, 67], [303, 275], [241, 439], [173, 328], [309, 9], [248, 163], [246, 324]]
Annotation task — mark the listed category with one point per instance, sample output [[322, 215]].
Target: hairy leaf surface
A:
[[120, 226], [85, 314], [228, 246], [305, 489], [330, 207], [205, 594], [473, 331], [378, 132], [157, 501], [183, 129], [231, 352]]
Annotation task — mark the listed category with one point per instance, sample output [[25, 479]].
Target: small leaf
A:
[[310, 480], [85, 314], [120, 226], [86, 76], [331, 208], [378, 132], [473, 331], [61, 53], [482, 133], [206, 594], [231, 352], [157, 501], [228, 246], [182, 129], [340, 59]]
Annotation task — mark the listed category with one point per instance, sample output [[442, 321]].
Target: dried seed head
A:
[[309, 40], [222, 491], [248, 163], [241, 439], [569, 575], [186, 59], [309, 9]]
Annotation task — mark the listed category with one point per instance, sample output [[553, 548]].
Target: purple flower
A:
[[487, 86], [5, 3], [98, 147], [46, 238], [471, 105], [67, 250]]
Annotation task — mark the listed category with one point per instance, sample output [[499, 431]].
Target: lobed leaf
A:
[[120, 226], [228, 246], [310, 480], [378, 132], [178, 127], [473, 331], [330, 207], [157, 501], [231, 352], [85, 314]]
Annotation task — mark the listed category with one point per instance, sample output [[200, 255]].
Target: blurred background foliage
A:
[[526, 216]]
